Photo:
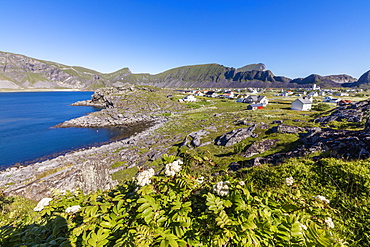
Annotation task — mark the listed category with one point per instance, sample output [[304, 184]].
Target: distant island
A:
[[19, 72]]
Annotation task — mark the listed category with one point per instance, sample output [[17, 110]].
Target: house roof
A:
[[304, 100], [256, 105], [256, 98]]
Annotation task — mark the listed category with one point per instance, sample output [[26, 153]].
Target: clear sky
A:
[[293, 38]]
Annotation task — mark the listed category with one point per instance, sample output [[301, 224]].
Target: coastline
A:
[[91, 169], [88, 169], [7, 90]]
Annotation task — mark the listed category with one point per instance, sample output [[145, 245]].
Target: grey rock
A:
[[194, 139], [259, 147], [277, 122], [236, 136], [287, 129]]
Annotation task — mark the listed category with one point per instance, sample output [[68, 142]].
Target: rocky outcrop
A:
[[354, 112], [88, 176], [236, 136], [125, 106], [343, 144], [194, 139], [259, 147], [287, 129]]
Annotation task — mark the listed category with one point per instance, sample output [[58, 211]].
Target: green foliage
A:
[[182, 211], [321, 107]]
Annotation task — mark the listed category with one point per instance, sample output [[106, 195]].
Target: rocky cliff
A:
[[325, 81], [18, 71]]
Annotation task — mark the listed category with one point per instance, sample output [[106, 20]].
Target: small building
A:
[[342, 94], [188, 98], [211, 94], [327, 99], [343, 102], [322, 93], [255, 106], [302, 104], [256, 99], [313, 94], [198, 93]]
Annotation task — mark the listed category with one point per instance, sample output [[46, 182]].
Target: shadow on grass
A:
[[54, 233]]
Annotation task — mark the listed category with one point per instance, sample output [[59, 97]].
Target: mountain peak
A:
[[250, 67]]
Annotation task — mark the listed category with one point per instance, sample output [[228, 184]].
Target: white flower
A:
[[221, 188], [302, 226], [200, 180], [172, 168], [73, 209], [143, 178], [322, 198], [329, 222], [42, 203], [289, 181], [241, 183]]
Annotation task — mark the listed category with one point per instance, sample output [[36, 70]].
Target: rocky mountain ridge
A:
[[22, 72]]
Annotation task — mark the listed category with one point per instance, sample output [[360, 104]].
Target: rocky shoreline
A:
[[91, 169], [88, 169]]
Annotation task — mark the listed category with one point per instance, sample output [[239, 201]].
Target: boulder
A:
[[259, 147], [234, 166], [194, 139], [287, 129], [236, 136]]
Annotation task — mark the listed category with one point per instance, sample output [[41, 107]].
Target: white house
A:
[[188, 98], [342, 94], [330, 99], [256, 99], [313, 94], [322, 93], [327, 99], [302, 104]]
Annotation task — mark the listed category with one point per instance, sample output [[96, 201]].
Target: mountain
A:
[[325, 81], [19, 72], [363, 81], [22, 72]]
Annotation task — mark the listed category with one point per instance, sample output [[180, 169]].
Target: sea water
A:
[[27, 120]]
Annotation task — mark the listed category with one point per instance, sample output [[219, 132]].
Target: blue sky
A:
[[293, 38]]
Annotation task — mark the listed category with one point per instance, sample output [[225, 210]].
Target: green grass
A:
[[124, 175]]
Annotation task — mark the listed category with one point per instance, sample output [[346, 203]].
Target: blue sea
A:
[[27, 120]]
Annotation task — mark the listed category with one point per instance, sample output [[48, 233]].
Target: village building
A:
[[188, 98], [313, 94], [255, 106], [302, 104], [343, 102], [256, 99], [211, 94], [342, 94]]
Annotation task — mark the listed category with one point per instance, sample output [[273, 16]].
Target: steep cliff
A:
[[325, 81]]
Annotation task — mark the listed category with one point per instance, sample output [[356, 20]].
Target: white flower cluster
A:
[[221, 188], [200, 180], [303, 226], [42, 203], [173, 167], [143, 178], [329, 222], [73, 209], [289, 181], [322, 198]]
